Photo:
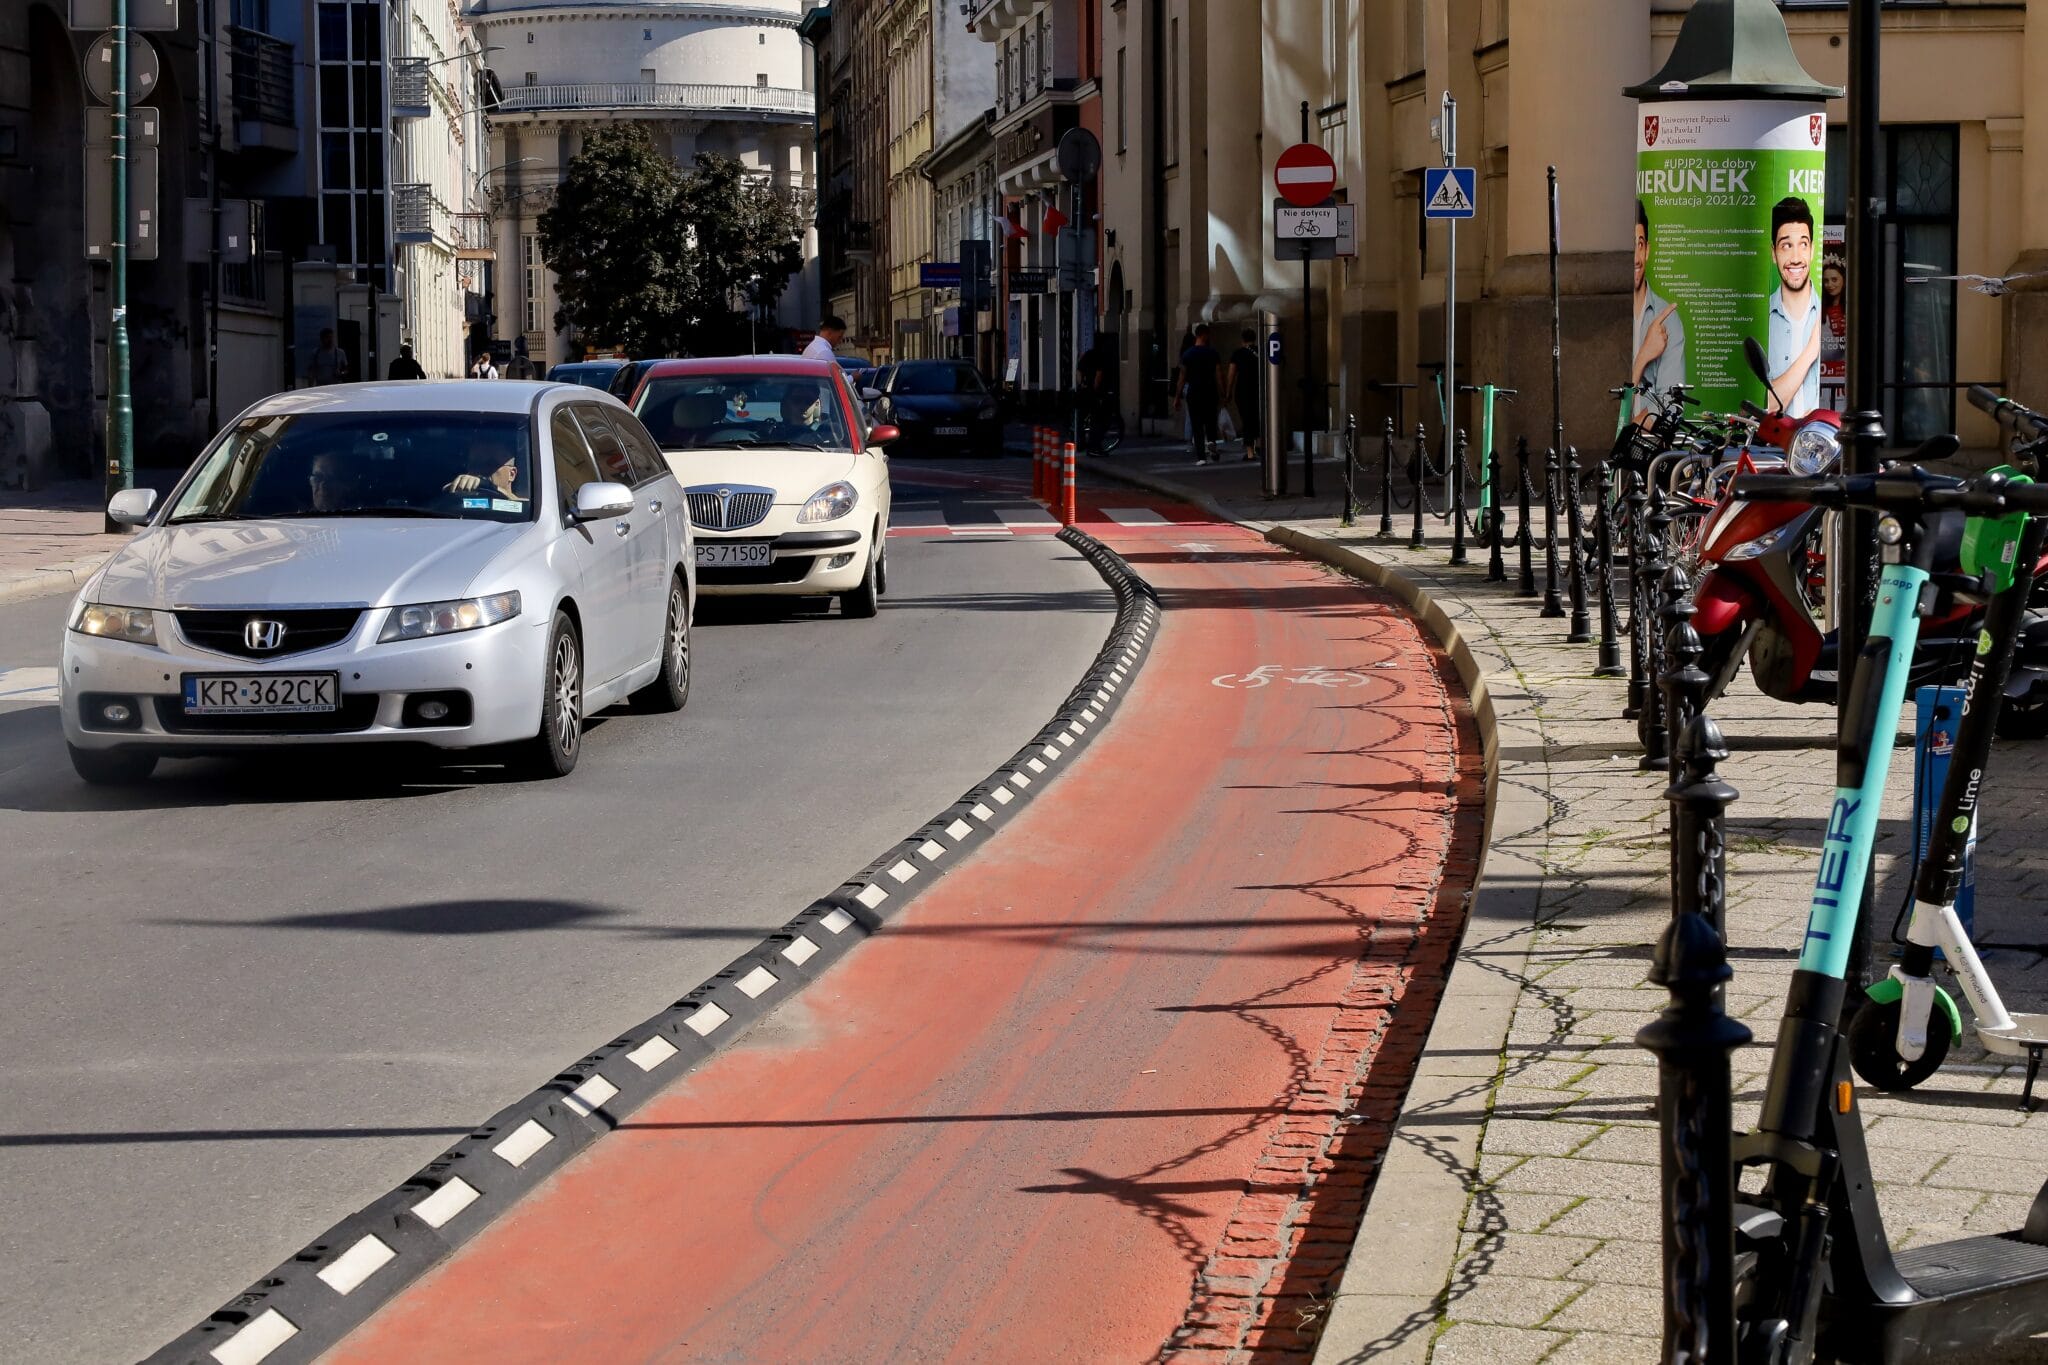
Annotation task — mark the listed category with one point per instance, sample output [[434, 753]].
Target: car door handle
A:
[[622, 528]]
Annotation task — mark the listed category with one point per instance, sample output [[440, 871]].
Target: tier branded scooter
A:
[[1815, 1273]]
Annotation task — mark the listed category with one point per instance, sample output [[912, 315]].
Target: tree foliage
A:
[[663, 261]]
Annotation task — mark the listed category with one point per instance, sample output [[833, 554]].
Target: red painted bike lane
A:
[[1113, 1090]]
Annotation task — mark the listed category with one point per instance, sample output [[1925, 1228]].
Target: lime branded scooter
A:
[[1897, 1040], [1815, 1273]]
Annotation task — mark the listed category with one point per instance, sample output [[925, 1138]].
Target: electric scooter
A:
[[1815, 1274], [1895, 1041], [1487, 394]]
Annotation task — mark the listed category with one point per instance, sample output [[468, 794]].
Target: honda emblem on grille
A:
[[263, 635]]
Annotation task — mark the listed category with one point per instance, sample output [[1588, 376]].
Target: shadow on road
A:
[[458, 917]]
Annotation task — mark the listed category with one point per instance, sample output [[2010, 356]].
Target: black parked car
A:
[[939, 405]]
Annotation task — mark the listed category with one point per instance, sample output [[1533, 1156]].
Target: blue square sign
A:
[[1449, 192]]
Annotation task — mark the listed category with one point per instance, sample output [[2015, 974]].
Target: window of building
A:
[[761, 80], [534, 283], [1415, 48], [647, 75], [348, 55], [1123, 108]]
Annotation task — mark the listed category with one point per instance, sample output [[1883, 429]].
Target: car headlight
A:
[[987, 414], [829, 503], [135, 624], [1762, 545], [1814, 450], [446, 618]]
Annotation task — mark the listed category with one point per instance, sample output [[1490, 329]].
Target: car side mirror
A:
[[131, 506], [596, 501], [870, 395], [882, 435]]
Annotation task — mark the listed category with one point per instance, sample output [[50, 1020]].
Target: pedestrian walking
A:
[[1242, 391], [483, 368], [329, 364], [825, 345], [1200, 386], [405, 367]]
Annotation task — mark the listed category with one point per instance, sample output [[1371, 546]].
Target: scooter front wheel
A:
[[1874, 1049]]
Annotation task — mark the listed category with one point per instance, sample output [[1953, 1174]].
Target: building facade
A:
[[1048, 62], [1200, 98], [701, 75], [828, 34], [907, 54]]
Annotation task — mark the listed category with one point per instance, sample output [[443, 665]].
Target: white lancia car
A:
[[787, 484]]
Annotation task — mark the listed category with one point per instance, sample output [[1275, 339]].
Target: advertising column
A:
[[1728, 244]]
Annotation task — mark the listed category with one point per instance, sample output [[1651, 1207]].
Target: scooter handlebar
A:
[[2023, 417], [1903, 488]]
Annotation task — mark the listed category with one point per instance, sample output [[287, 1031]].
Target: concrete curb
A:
[[51, 579], [1398, 1277], [318, 1296]]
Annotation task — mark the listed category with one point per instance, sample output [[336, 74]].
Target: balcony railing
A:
[[410, 97], [261, 72], [751, 99], [412, 212], [471, 234]]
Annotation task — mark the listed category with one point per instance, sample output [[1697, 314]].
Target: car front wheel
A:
[[111, 767], [670, 690], [554, 751], [865, 600]]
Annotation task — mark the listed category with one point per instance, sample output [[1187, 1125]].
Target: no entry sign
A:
[[1305, 175]]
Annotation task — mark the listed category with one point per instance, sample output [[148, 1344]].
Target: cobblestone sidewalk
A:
[[1516, 1217]]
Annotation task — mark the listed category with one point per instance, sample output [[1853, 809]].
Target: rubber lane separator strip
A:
[[313, 1300]]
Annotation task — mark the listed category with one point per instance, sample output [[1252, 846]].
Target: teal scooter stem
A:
[[1488, 393]]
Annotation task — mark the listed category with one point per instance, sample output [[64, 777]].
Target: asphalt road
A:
[[247, 997]]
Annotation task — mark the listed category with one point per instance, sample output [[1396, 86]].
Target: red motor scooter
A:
[[1761, 580]]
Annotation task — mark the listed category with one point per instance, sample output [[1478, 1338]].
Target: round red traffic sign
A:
[[1305, 175]]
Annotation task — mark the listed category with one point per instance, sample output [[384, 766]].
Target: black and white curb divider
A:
[[311, 1301]]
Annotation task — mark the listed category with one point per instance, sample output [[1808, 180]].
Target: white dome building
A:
[[701, 75]]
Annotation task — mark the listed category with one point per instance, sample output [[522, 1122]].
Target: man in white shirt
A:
[[825, 345]]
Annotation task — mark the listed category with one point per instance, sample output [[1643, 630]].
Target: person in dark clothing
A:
[[1241, 391], [405, 367], [1200, 385]]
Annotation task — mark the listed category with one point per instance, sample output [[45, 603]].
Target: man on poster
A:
[[1659, 331], [1794, 344]]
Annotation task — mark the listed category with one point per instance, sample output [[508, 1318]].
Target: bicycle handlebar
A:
[[1499, 390], [1900, 489], [2023, 417], [1751, 410]]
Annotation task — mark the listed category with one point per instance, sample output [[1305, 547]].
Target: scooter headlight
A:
[[1762, 545], [1814, 450]]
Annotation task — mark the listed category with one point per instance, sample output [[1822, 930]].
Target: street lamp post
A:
[[120, 406]]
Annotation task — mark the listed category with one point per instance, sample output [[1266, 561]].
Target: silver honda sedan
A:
[[454, 564]]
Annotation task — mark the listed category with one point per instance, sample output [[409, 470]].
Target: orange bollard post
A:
[[1067, 515]]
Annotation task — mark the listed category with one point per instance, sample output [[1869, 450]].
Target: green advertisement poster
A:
[[1728, 242]]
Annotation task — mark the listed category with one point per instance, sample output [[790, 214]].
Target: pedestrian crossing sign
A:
[[1449, 192]]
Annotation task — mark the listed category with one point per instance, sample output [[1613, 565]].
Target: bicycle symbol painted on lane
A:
[[1315, 675]]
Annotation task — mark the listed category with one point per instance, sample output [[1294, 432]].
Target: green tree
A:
[[616, 240], [748, 239]]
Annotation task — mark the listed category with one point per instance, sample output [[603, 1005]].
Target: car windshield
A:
[[938, 379], [734, 411], [464, 465]]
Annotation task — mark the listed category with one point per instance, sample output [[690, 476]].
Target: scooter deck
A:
[[1971, 1293], [2027, 1031]]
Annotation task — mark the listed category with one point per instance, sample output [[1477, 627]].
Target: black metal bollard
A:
[[1692, 1040], [1386, 531], [1603, 564], [1653, 724], [1580, 631], [1418, 464], [1457, 472], [1639, 607], [1553, 604], [1350, 464], [1496, 522], [1684, 683], [1525, 539]]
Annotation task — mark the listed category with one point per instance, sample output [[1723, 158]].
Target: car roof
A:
[[517, 396], [743, 364]]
